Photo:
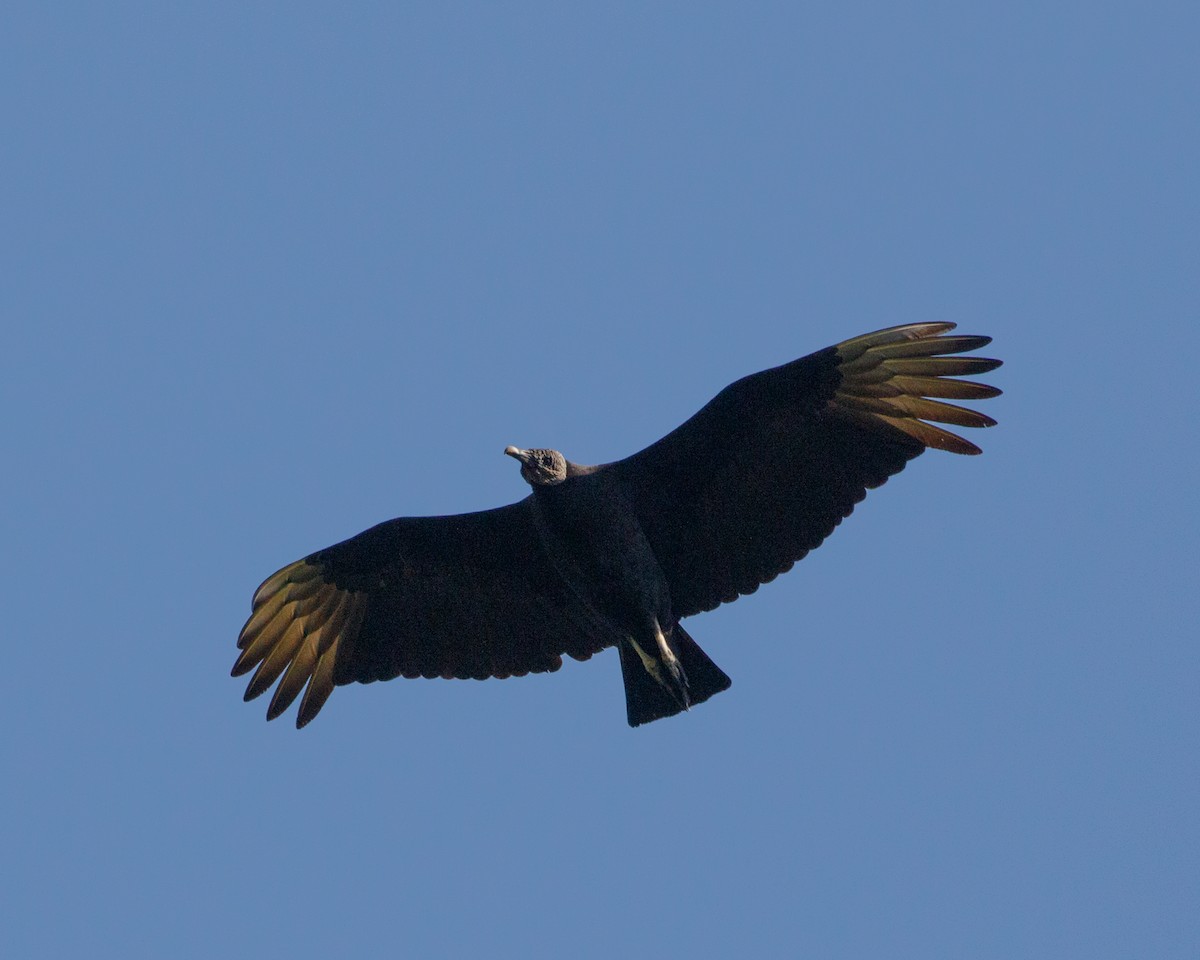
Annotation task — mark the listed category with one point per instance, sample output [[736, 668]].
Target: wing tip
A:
[[292, 637], [892, 376]]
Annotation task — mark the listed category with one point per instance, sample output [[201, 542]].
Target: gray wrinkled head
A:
[[540, 467]]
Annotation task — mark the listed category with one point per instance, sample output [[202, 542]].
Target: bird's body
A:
[[616, 555], [599, 549], [601, 552]]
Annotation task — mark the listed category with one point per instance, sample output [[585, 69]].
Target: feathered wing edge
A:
[[890, 376], [297, 622]]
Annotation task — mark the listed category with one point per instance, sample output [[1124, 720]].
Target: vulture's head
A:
[[540, 467]]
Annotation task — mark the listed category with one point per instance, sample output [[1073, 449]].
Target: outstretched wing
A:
[[467, 596], [764, 472]]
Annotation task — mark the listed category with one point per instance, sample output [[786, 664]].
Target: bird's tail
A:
[[650, 698]]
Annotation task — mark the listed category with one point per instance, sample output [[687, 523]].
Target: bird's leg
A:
[[664, 667], [672, 662]]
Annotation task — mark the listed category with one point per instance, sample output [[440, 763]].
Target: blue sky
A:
[[273, 273]]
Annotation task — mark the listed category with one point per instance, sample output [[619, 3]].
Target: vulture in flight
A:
[[619, 554]]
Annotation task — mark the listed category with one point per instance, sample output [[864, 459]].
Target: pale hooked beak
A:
[[515, 452]]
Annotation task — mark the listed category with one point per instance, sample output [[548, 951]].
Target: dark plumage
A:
[[615, 555]]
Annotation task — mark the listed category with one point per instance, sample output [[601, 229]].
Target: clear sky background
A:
[[272, 273]]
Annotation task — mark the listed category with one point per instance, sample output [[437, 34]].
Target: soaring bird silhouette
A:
[[617, 554]]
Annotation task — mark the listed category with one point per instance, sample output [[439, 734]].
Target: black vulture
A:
[[618, 554]]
